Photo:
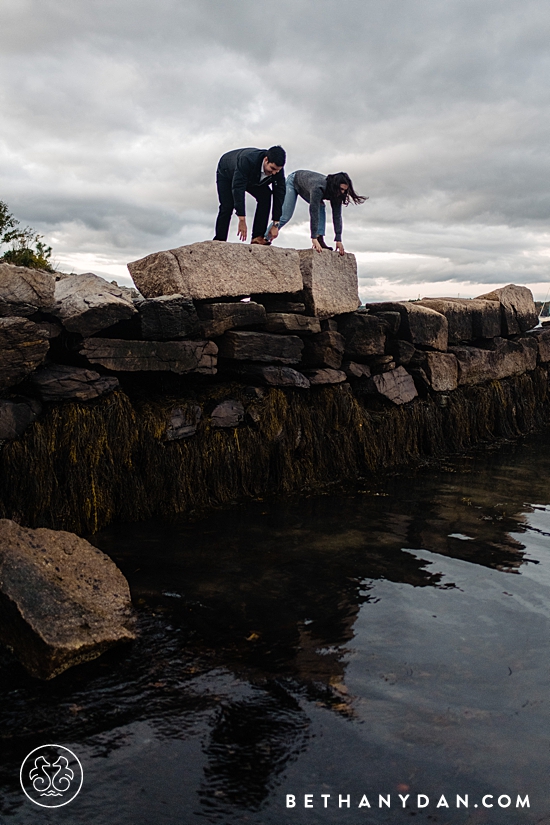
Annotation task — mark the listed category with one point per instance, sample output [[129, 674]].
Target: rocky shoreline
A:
[[204, 387]]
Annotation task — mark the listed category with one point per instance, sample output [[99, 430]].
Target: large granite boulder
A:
[[25, 291], [16, 415], [420, 325], [23, 347], [396, 385], [330, 282], [217, 318], [58, 382], [168, 317], [468, 318], [364, 335], [152, 356], [261, 346], [211, 269], [517, 308], [503, 359], [62, 601], [87, 303]]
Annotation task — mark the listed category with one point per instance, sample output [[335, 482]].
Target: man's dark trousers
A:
[[225, 195]]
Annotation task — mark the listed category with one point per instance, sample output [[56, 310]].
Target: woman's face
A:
[[343, 188]]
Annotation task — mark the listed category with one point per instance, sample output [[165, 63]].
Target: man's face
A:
[[271, 168]]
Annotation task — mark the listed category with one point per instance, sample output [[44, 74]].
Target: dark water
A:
[[393, 640]]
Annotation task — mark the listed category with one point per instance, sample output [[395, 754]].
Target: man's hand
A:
[[316, 245], [242, 231], [273, 232], [340, 248]]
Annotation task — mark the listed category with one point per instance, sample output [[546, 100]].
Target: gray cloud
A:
[[115, 113]]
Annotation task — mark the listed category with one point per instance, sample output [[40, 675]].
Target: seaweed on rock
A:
[[81, 465]]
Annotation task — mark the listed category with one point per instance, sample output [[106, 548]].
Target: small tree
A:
[[27, 248]]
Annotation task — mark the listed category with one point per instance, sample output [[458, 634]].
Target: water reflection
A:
[[261, 618]]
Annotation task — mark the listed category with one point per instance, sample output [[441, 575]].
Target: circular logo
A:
[[51, 776]]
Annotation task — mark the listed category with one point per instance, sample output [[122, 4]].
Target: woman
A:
[[315, 189]]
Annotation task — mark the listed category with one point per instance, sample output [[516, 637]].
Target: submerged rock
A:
[[62, 601]]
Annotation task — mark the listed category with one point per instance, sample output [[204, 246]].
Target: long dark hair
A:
[[333, 193]]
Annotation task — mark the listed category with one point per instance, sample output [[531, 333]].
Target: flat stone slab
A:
[[168, 318], [397, 385], [364, 335], [325, 376], [215, 319], [468, 319], [152, 356], [23, 347], [87, 303], [287, 322], [58, 382], [517, 307], [25, 291], [16, 416], [261, 346], [274, 376], [324, 350], [330, 282], [476, 365], [62, 600], [213, 269], [420, 325]]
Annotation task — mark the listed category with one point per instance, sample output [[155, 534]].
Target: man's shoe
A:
[[322, 244], [261, 240]]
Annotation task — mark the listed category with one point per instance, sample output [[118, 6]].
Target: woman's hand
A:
[[340, 248], [316, 245], [273, 233], [242, 231]]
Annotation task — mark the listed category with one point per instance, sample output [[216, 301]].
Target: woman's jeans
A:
[[289, 205]]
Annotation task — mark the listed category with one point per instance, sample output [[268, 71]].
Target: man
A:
[[253, 171]]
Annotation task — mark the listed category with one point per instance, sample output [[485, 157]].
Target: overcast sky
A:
[[115, 112]]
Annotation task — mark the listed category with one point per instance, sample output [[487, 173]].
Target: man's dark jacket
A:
[[244, 168]]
